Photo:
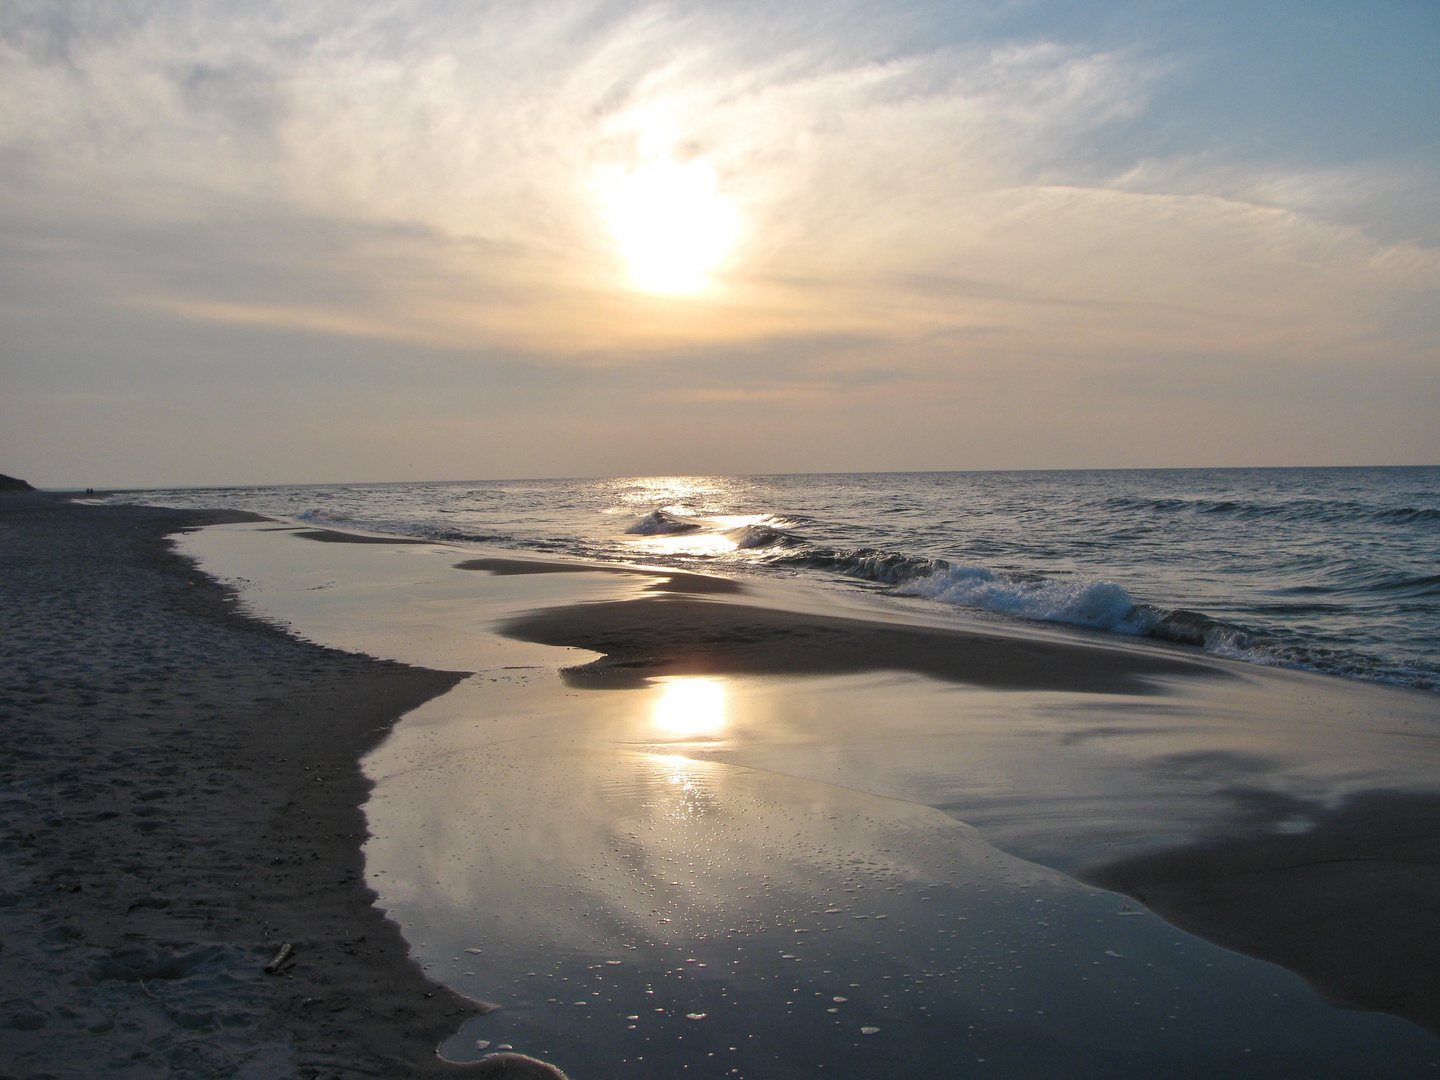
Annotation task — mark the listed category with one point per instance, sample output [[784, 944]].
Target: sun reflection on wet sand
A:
[[690, 707], [689, 791]]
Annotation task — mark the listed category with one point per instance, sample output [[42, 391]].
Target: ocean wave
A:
[[1409, 515], [660, 523], [760, 535], [416, 530], [1404, 585], [1270, 651], [882, 567], [1100, 605], [326, 517], [1299, 510], [1389, 584]]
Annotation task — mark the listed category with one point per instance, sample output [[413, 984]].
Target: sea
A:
[[1333, 570]]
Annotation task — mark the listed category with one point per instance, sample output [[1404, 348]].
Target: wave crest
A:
[[750, 537], [1101, 605], [659, 523], [1300, 510], [868, 564]]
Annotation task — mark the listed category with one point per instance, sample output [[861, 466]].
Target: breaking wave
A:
[[766, 532], [753, 537], [661, 523], [1102, 605]]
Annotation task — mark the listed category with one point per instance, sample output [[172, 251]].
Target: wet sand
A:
[[1351, 904], [671, 581], [181, 795], [560, 806]]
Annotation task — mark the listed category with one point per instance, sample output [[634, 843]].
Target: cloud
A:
[[923, 208]]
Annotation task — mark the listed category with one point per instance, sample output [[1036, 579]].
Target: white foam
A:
[[1102, 605]]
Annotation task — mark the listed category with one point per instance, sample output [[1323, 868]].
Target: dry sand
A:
[[180, 794]]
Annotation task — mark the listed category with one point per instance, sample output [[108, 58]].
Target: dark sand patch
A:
[[671, 581], [334, 536], [181, 795], [1352, 905], [674, 635]]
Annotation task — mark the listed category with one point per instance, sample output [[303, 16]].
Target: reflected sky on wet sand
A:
[[636, 909], [777, 877]]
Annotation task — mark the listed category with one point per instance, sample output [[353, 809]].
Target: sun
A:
[[672, 225]]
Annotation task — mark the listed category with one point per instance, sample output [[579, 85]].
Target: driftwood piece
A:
[[284, 956]]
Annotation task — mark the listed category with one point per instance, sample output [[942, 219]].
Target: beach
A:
[[769, 832], [182, 796], [708, 541]]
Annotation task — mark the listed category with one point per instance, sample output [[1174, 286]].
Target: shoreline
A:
[[184, 795]]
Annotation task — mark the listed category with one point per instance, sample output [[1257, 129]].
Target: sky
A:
[[351, 240]]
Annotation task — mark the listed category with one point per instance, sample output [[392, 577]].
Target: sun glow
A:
[[672, 226], [690, 707]]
